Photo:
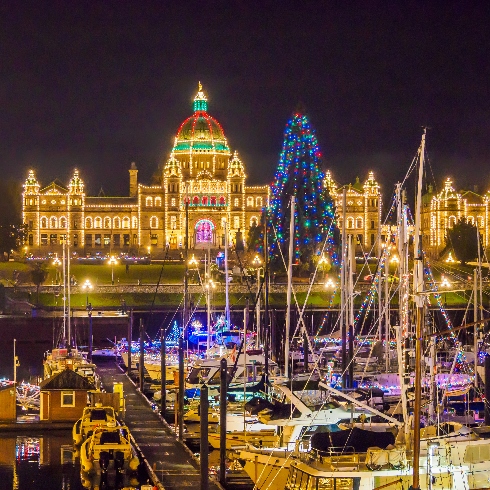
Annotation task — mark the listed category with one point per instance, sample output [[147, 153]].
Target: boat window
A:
[[109, 438], [98, 415], [197, 375]]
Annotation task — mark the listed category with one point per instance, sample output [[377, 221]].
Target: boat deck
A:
[[169, 460]]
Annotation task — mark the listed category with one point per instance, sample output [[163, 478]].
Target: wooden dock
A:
[[168, 461]]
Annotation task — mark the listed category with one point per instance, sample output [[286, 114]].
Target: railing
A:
[[338, 458]]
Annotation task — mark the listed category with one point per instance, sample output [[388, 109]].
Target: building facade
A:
[[202, 178], [441, 211], [362, 210]]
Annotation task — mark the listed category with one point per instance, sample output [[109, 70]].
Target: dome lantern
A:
[[200, 101]]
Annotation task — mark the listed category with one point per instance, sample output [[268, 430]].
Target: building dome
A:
[[200, 132]]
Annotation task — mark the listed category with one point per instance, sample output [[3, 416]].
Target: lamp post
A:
[[57, 263], [445, 284], [193, 262], [210, 285], [257, 262], [112, 262], [87, 286], [323, 263]]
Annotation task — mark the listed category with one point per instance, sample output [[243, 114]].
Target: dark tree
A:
[[11, 230], [299, 175], [39, 274], [464, 238], [254, 239]]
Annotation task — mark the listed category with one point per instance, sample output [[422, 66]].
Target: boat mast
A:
[[290, 285], [64, 292], [418, 286], [227, 297], [68, 283]]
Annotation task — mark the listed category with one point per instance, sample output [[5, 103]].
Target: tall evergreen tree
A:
[[299, 175]]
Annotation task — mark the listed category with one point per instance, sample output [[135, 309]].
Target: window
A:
[[125, 223], [204, 201], [258, 202], [53, 239], [154, 240], [173, 202], [195, 200], [135, 222], [350, 222], [44, 222], [213, 200], [107, 241], [254, 221], [359, 223], [250, 201], [149, 202], [31, 240], [62, 222], [359, 239], [98, 222], [236, 222], [135, 239], [372, 239], [222, 201], [107, 222], [158, 202], [236, 202], [153, 222], [372, 224], [116, 240], [88, 223], [88, 240], [126, 240], [75, 240], [98, 240], [67, 398], [44, 238], [117, 222], [53, 222], [173, 222]]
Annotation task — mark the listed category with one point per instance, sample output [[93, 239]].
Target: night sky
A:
[[97, 85]]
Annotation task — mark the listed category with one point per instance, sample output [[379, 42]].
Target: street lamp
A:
[[112, 261], [57, 263], [210, 285], [445, 284], [87, 286], [193, 261], [322, 263], [329, 284]]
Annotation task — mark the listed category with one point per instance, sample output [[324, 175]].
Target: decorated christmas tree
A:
[[299, 175]]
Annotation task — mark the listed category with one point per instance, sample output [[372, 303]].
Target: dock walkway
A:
[[166, 456]]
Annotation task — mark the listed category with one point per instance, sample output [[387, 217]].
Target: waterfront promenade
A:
[[167, 459]]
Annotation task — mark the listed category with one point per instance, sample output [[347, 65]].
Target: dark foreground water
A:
[[47, 462]]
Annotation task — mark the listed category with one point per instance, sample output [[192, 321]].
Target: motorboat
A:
[[92, 417], [108, 448]]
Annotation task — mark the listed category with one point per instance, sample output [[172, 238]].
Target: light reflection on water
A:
[[47, 462]]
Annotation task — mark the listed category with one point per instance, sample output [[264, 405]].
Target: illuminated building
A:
[[363, 210], [441, 211], [201, 170]]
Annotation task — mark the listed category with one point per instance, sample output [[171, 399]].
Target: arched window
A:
[[480, 221], [250, 201], [158, 202], [44, 222], [149, 202], [258, 202], [135, 222], [53, 222], [195, 200], [204, 200], [107, 222], [153, 222], [471, 220], [88, 222], [350, 222], [98, 222], [117, 222], [62, 222], [359, 223], [452, 221], [213, 200], [222, 201], [254, 221], [173, 222], [125, 222], [236, 202]]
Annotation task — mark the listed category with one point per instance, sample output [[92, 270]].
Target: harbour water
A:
[[47, 461]]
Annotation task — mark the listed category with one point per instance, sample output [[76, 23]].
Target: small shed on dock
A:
[[8, 403], [64, 396]]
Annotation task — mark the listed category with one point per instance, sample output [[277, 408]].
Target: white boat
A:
[[92, 417]]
